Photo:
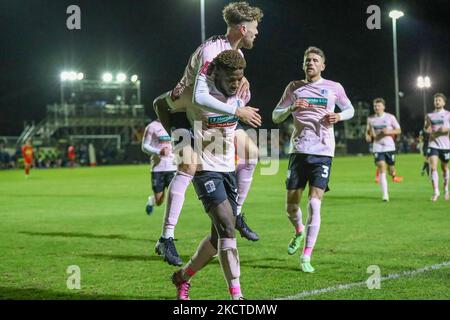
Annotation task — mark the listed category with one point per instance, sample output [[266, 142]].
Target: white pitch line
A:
[[363, 283]]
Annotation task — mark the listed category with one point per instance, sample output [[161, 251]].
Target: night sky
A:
[[154, 39]]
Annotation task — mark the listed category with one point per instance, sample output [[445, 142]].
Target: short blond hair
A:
[[314, 50], [237, 12], [379, 100], [440, 94]]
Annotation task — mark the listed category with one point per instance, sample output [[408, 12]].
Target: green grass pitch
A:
[[95, 218]]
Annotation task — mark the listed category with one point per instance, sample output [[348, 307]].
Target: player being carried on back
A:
[[242, 27]]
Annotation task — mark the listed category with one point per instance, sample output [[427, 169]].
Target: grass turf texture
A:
[[95, 218]]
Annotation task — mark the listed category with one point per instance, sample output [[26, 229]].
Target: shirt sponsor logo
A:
[[164, 139], [436, 122], [222, 121], [316, 102]]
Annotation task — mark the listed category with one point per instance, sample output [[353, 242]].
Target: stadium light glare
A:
[[423, 83], [121, 77], [134, 78], [64, 75], [72, 76], [80, 76], [395, 14], [107, 77], [69, 76], [420, 82]]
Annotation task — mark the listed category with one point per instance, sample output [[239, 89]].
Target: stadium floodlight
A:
[[80, 76], [107, 77], [202, 19], [134, 78], [427, 82], [121, 77], [395, 14]]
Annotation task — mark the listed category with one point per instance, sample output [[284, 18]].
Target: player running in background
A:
[[215, 181], [311, 103], [156, 142], [381, 127], [242, 27], [437, 124], [424, 138], [27, 154]]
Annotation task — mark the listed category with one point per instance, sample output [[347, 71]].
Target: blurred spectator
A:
[[71, 155]]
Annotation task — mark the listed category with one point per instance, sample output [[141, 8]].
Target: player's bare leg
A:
[[221, 241], [434, 176], [383, 180], [393, 174], [224, 222], [294, 214], [377, 176], [425, 167], [27, 169], [206, 251], [244, 175], [445, 175], [312, 227]]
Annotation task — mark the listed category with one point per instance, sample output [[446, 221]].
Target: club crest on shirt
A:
[[210, 186]]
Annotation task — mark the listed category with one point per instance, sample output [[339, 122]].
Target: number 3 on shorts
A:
[[326, 171]]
